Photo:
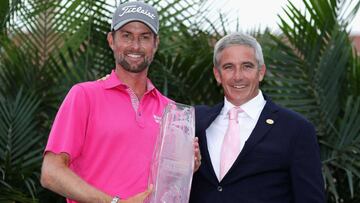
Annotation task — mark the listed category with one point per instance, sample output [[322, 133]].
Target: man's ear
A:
[[157, 42], [110, 40], [262, 72], [217, 75]]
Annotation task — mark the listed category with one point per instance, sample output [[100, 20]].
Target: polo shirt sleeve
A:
[[69, 128]]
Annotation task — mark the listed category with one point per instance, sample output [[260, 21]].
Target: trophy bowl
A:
[[173, 160]]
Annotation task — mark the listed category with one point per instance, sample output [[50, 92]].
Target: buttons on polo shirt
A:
[[140, 120], [219, 188]]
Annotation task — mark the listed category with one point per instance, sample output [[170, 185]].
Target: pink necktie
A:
[[230, 148]]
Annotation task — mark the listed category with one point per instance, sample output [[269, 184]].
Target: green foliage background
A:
[[47, 46]]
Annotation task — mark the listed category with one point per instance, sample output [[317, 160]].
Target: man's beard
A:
[[133, 69]]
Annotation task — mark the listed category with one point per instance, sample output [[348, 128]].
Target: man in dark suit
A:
[[275, 150]]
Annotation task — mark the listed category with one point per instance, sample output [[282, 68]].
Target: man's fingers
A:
[[150, 188], [104, 78], [197, 158], [196, 149], [148, 191]]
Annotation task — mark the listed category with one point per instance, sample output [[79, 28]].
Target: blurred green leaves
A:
[[47, 46]]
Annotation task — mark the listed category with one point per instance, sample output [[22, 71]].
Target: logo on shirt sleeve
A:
[[157, 119]]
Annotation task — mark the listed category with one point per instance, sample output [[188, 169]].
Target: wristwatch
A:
[[115, 199]]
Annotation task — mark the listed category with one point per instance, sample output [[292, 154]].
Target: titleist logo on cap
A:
[[135, 9]]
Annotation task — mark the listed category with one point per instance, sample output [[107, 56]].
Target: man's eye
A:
[[248, 66], [125, 35], [145, 38]]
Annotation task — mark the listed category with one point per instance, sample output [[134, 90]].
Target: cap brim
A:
[[122, 23]]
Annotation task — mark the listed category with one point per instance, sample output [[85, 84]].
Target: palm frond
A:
[[18, 137], [308, 71], [340, 152]]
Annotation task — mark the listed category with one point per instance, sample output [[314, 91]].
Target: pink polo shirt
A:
[[110, 143]]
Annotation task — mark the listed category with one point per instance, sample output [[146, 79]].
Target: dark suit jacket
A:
[[280, 162]]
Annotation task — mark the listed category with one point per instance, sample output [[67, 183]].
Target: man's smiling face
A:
[[134, 46], [238, 73]]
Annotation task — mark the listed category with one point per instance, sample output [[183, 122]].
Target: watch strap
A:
[[115, 199]]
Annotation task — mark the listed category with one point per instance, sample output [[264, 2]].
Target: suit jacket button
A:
[[219, 188]]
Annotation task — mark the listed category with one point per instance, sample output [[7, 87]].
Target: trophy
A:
[[173, 162]]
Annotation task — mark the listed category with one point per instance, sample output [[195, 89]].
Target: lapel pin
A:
[[269, 121]]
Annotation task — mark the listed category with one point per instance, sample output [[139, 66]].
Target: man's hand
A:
[[197, 159], [140, 197], [104, 78]]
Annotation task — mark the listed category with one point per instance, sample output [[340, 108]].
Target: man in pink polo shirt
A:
[[102, 140]]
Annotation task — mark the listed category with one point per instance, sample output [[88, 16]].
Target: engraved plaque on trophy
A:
[[173, 162]]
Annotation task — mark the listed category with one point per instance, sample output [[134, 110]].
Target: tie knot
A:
[[233, 113]]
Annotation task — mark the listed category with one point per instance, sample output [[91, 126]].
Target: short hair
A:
[[237, 38]]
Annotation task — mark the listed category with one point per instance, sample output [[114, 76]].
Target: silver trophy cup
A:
[[173, 163]]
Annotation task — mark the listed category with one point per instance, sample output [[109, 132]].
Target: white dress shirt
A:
[[247, 120]]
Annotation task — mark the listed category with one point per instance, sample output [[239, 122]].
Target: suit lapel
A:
[[264, 124], [206, 167], [267, 117]]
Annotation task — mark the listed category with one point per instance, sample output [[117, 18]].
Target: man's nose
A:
[[135, 44], [238, 73]]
